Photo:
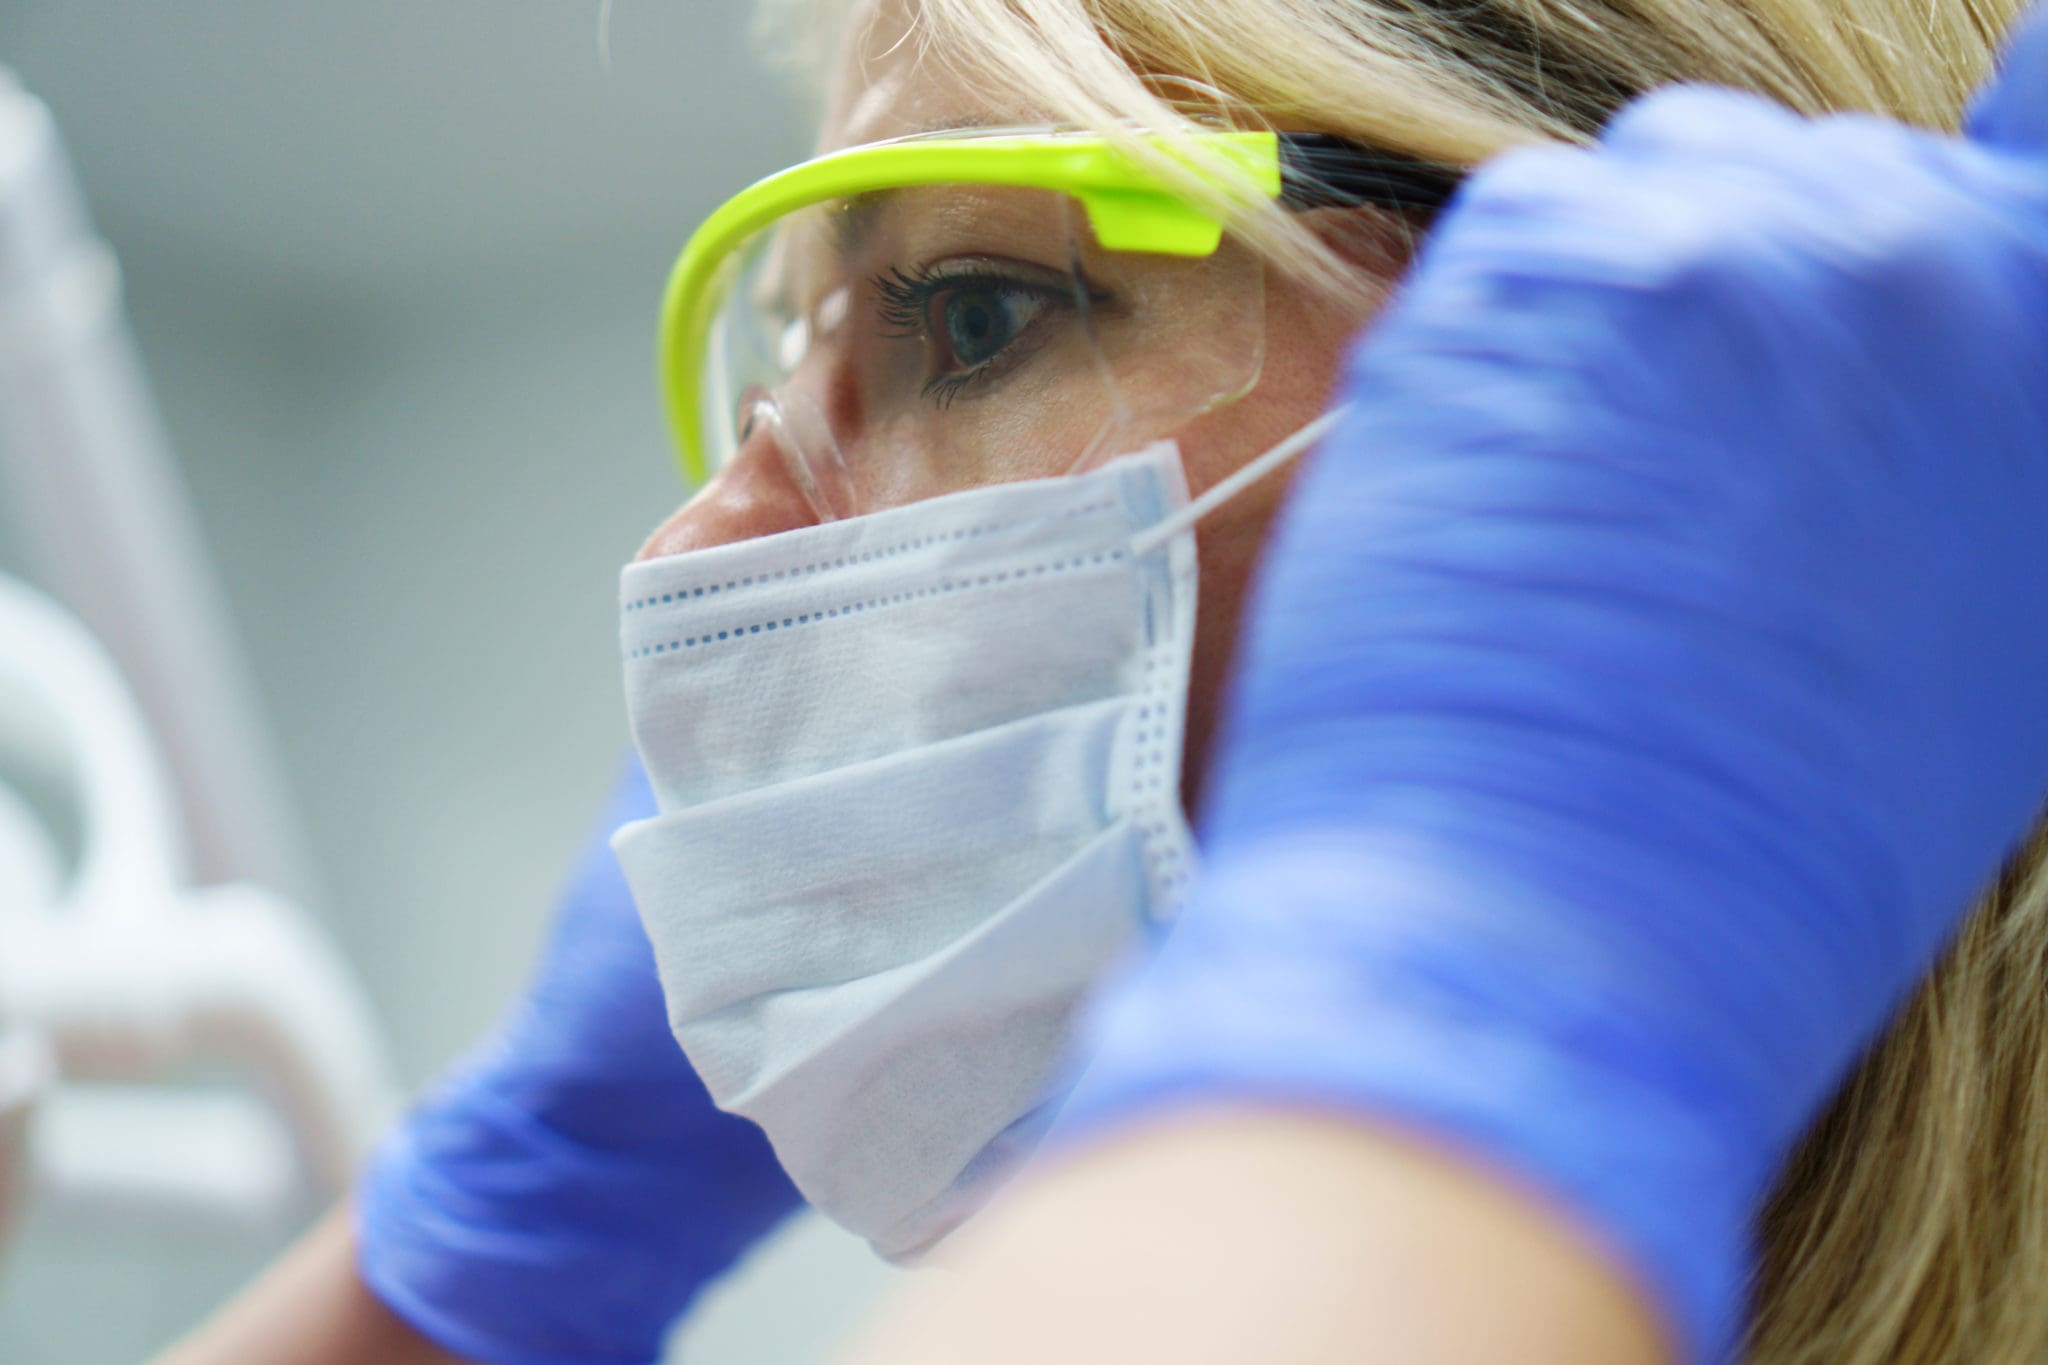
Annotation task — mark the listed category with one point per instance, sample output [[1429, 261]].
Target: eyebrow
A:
[[854, 222]]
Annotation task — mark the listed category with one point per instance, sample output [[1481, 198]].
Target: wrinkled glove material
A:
[[561, 1195], [1644, 678]]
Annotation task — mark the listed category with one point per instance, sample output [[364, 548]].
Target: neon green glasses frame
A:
[[1129, 206]]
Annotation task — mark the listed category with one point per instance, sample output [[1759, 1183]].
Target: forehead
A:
[[885, 85]]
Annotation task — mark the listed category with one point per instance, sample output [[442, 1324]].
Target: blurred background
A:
[[394, 269]]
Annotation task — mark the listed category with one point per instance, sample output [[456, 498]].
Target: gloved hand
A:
[[563, 1192], [1645, 675]]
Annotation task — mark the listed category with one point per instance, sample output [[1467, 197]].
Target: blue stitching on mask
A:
[[937, 537], [935, 590]]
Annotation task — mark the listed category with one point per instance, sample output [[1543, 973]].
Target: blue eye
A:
[[976, 318], [981, 322]]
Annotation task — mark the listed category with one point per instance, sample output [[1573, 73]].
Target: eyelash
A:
[[906, 296]]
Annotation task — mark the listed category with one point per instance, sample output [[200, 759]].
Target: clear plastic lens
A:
[[915, 342]]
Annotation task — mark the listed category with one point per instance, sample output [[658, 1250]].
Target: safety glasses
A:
[[908, 318]]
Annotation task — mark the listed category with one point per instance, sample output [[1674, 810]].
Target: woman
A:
[[1444, 91]]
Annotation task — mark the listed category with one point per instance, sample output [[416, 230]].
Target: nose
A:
[[755, 494]]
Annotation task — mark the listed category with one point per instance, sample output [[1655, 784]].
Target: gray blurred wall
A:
[[395, 267]]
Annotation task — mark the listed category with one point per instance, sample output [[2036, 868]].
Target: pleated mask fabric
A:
[[918, 775]]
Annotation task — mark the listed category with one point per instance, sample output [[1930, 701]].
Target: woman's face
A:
[[882, 90]]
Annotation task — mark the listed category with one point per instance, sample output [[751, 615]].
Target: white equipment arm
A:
[[131, 976], [122, 975], [94, 494]]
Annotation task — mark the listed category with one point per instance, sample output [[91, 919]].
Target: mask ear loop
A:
[[1239, 479]]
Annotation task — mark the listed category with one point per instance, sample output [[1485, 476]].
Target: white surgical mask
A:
[[918, 775]]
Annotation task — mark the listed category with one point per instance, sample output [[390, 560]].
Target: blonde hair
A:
[[1453, 81], [1912, 1222]]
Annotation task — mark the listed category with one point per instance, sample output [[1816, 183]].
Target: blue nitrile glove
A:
[[559, 1196], [1644, 676]]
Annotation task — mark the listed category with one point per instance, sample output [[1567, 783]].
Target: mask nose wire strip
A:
[[1237, 481]]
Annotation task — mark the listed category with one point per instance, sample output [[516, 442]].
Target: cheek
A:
[[1228, 544], [1304, 349]]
